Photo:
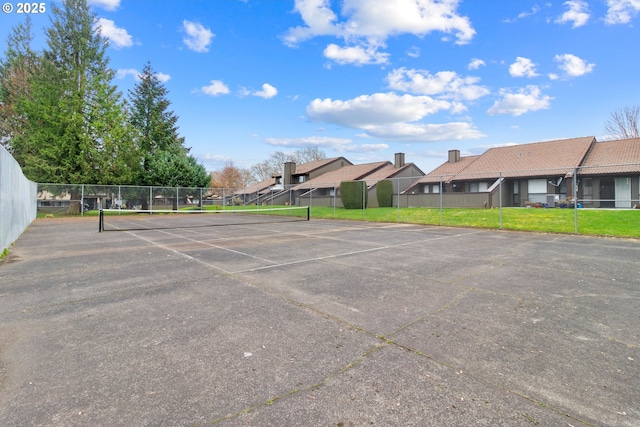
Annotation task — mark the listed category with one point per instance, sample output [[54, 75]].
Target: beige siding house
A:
[[325, 189], [518, 175], [609, 177]]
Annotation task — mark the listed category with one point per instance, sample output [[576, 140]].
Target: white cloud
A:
[[198, 37], [421, 132], [124, 72], [337, 144], [310, 141], [523, 67], [377, 108], [215, 88], [380, 19], [392, 117], [162, 77], [621, 11], [525, 100], [357, 55], [446, 84], [366, 25], [572, 65], [267, 91], [365, 148], [475, 64], [109, 5], [534, 10], [319, 20], [414, 52], [118, 37], [578, 13]]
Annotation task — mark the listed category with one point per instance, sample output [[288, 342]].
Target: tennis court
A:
[[318, 322]]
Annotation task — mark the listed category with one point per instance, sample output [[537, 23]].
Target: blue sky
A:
[[368, 78]]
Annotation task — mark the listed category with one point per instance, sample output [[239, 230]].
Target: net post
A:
[[101, 221]]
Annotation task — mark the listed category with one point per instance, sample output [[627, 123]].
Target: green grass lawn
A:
[[599, 222], [602, 222]]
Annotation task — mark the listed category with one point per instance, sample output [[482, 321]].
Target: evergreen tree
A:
[[16, 69], [165, 159], [78, 132]]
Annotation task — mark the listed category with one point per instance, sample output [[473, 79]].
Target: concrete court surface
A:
[[319, 323]]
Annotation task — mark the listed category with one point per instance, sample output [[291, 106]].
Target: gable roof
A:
[[608, 157], [446, 171], [316, 164], [346, 173], [388, 171], [257, 187], [309, 167], [557, 157]]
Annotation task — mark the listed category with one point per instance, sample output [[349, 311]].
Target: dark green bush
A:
[[353, 194], [384, 193]]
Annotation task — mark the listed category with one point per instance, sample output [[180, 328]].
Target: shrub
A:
[[384, 193], [353, 194]]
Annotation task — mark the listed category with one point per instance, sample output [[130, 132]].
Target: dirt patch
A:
[[9, 258]]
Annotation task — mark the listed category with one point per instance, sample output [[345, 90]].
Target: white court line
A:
[[274, 264], [379, 248], [201, 242], [179, 253]]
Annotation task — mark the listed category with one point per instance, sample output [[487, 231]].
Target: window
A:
[[436, 188], [425, 189], [301, 178], [587, 188], [538, 186], [538, 190]]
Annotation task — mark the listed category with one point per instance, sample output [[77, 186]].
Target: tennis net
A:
[[128, 220]]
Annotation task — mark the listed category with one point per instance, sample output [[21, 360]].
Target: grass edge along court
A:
[[623, 223], [596, 222]]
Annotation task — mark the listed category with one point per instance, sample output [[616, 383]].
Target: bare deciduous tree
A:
[[274, 164], [231, 177], [623, 123]]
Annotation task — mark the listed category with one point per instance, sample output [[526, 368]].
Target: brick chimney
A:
[[399, 160], [454, 156]]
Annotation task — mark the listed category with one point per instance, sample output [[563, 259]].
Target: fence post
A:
[[441, 189], [82, 200], [364, 197], [500, 189], [575, 199], [334, 200], [398, 187]]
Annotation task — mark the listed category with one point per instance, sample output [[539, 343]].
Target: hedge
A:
[[353, 194], [384, 193]]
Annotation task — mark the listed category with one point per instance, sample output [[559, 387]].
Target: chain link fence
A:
[[432, 199]]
